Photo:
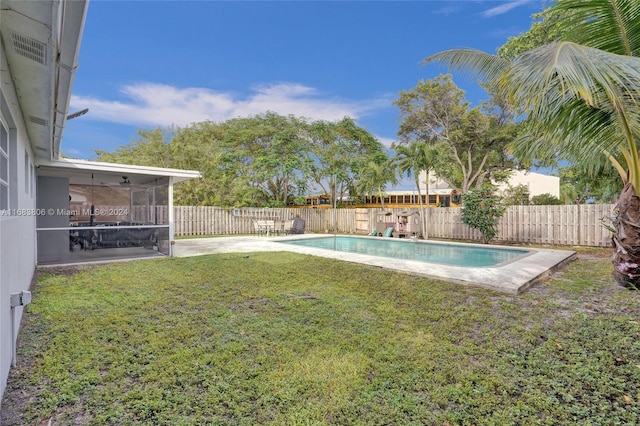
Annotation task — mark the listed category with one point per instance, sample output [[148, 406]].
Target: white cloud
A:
[[150, 104], [386, 141], [504, 8]]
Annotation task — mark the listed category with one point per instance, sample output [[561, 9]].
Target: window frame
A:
[[6, 165]]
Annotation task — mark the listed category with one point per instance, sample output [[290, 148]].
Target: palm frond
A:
[[472, 63], [581, 100], [564, 70], [609, 25], [622, 171], [579, 106]]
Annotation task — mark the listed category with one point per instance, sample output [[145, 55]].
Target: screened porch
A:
[[91, 211]]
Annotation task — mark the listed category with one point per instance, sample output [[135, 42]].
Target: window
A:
[[4, 167]]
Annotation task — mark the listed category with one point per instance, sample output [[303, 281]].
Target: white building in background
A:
[[537, 183], [38, 60]]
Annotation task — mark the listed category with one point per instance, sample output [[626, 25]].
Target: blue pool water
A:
[[448, 254]]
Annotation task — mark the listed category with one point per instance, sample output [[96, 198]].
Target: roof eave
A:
[[178, 175], [72, 20]]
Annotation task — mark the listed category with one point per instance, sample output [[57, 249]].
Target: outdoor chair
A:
[[257, 228], [297, 226], [286, 228], [279, 226]]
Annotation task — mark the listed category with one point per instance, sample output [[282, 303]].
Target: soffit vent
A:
[[29, 48], [39, 121]]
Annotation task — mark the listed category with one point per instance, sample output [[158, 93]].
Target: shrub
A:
[[545, 200], [480, 210]]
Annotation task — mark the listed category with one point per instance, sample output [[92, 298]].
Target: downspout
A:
[[17, 299]]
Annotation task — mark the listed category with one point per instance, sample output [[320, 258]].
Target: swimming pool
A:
[[446, 254], [512, 276]]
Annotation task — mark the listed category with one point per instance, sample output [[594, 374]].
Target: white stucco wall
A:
[[536, 182], [17, 226]]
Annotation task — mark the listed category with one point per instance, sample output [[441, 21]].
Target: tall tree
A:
[[415, 158], [435, 111], [409, 162], [339, 152], [173, 148], [272, 153], [150, 149], [580, 99], [374, 177], [263, 160], [602, 185], [547, 26], [199, 147]]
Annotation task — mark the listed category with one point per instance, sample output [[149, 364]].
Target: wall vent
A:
[[39, 121], [29, 48]]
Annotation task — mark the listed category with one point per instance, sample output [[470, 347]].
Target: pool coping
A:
[[514, 276]]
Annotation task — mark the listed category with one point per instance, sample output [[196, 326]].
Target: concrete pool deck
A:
[[510, 277]]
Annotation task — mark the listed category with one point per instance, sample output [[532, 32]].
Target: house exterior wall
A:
[[18, 222], [536, 182]]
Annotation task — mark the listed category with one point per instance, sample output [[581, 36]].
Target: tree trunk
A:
[[380, 196], [427, 212], [423, 223], [626, 239]]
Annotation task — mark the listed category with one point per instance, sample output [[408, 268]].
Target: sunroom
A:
[[91, 211]]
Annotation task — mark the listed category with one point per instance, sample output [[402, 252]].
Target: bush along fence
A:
[[573, 225]]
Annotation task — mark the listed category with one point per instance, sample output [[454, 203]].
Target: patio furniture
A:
[[384, 221], [266, 226], [280, 226], [297, 226], [257, 228], [286, 228], [408, 224]]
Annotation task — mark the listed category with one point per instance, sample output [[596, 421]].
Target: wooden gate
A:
[[362, 221]]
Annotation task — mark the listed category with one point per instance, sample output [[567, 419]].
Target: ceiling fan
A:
[[125, 181]]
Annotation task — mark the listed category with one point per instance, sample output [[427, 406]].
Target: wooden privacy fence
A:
[[580, 225], [208, 220]]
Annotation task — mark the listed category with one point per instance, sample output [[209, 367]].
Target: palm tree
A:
[[409, 162], [580, 99], [412, 159], [375, 176]]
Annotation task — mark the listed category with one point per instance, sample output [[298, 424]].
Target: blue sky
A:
[[149, 64]]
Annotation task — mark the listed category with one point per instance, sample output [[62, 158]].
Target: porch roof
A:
[[88, 172]]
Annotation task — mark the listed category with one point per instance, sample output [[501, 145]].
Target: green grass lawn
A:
[[283, 338]]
